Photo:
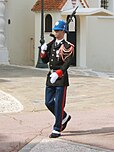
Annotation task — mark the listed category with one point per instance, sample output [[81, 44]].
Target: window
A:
[[104, 4], [72, 26], [48, 23]]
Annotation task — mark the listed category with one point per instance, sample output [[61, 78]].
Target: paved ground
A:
[[90, 102]]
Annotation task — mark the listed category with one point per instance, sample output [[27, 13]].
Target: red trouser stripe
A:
[[63, 103]]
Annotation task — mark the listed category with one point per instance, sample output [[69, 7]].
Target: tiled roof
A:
[[49, 5]]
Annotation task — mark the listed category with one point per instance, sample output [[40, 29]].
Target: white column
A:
[[83, 42], [3, 49], [113, 6]]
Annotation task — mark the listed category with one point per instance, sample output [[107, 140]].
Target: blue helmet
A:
[[60, 26]]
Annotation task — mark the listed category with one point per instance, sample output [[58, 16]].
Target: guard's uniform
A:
[[59, 57], [56, 62], [56, 93]]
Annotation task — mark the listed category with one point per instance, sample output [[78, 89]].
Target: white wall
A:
[[20, 31], [111, 5], [93, 3], [100, 44], [81, 51], [4, 57]]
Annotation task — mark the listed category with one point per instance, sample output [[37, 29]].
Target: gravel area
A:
[[58, 145], [9, 104]]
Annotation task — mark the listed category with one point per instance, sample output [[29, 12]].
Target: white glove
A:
[[54, 77], [43, 52], [44, 47]]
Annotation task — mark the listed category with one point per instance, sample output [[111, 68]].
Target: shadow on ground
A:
[[15, 71], [103, 131]]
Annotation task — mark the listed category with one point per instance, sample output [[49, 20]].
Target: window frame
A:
[[48, 23], [104, 4]]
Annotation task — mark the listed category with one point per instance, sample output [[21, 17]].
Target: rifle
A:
[[71, 16]]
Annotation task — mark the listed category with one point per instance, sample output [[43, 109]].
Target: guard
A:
[[58, 54]]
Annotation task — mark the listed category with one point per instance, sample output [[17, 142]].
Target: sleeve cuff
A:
[[59, 72], [42, 55]]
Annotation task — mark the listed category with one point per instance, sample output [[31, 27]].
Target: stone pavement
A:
[[90, 102]]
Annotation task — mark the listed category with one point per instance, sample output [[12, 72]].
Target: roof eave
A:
[[89, 11]]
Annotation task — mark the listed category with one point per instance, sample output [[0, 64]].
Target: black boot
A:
[[65, 124]]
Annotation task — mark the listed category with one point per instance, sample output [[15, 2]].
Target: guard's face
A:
[[59, 34]]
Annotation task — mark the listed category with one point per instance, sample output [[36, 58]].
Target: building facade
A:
[[17, 32], [20, 31], [88, 31]]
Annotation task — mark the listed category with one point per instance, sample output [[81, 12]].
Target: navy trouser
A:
[[55, 98]]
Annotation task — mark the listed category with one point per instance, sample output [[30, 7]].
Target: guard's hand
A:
[[43, 52], [44, 47], [54, 77]]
